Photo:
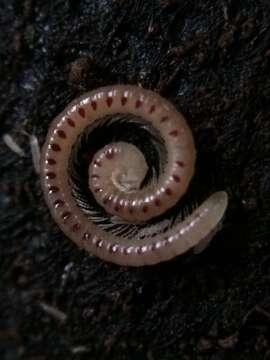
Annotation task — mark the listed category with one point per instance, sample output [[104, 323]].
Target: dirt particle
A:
[[228, 342], [78, 69]]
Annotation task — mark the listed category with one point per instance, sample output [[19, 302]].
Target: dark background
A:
[[211, 58]]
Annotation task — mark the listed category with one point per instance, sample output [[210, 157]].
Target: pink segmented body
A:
[[115, 175]]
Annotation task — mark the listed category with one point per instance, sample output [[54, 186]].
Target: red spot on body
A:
[[164, 119], [97, 163], [157, 202], [145, 208], [138, 104], [176, 178], [66, 215], [123, 100], [109, 101], [117, 207], [70, 122], [168, 191], [55, 147], [126, 251], [174, 133], [152, 247], [86, 236], [152, 109], [75, 227], [81, 112], [51, 175], [180, 163], [131, 210], [61, 134], [112, 248], [53, 189], [51, 161], [58, 203], [94, 105], [139, 250], [99, 243], [109, 154]]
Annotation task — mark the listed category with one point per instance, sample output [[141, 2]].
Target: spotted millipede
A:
[[116, 172]]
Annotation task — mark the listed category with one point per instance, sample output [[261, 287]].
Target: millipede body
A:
[[114, 162]]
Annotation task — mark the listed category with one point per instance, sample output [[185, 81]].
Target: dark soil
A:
[[211, 58]]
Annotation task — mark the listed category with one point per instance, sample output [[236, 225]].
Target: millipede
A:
[[114, 162]]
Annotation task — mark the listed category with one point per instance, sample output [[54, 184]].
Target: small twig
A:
[[225, 12], [12, 145], [35, 150], [54, 312], [79, 349]]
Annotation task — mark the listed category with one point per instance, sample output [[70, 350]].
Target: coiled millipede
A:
[[114, 161]]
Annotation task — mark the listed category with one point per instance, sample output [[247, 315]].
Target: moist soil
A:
[[211, 59]]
